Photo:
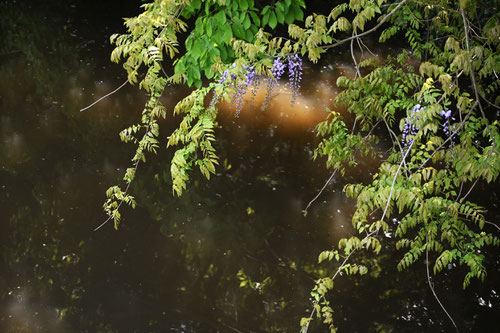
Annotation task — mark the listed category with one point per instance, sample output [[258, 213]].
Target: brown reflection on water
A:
[[309, 108]]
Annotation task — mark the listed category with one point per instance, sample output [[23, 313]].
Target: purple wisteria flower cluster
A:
[[277, 71], [295, 74], [446, 125], [410, 129], [447, 117], [251, 79]]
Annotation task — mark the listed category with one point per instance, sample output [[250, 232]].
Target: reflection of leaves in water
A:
[[38, 37], [42, 286]]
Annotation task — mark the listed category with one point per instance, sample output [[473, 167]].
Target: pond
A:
[[233, 254]]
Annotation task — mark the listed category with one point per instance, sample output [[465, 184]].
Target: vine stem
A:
[[304, 212], [105, 96], [432, 287], [356, 65], [121, 201], [473, 77], [395, 177], [136, 165], [177, 13]]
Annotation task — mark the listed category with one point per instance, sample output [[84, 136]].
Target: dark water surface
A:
[[176, 264]]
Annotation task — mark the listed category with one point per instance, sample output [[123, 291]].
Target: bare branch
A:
[[105, 96]]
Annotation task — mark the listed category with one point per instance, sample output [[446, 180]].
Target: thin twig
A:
[[103, 97], [391, 132], [487, 101], [394, 181], [136, 165], [231, 327], [335, 275], [470, 190], [493, 224], [304, 212], [360, 41], [356, 66], [367, 235], [432, 287], [487, 222], [178, 12]]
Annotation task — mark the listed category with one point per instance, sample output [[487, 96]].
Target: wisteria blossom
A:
[[250, 79], [410, 128], [277, 71], [447, 117], [295, 75]]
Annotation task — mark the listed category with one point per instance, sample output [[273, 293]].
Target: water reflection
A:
[[176, 264]]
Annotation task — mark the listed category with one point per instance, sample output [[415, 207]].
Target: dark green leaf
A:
[[280, 16], [255, 18], [246, 22], [272, 20], [243, 4]]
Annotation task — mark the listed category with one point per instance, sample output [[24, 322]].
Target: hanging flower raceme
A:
[[277, 71], [250, 79], [410, 128], [295, 75], [446, 126]]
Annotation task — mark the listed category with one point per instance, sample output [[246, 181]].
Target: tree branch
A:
[[367, 32], [473, 77]]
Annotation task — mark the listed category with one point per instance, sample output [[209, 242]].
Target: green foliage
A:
[[438, 117], [217, 23], [338, 145]]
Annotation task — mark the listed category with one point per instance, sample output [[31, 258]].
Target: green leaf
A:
[[289, 17], [221, 18], [255, 18], [196, 49], [280, 7], [297, 12], [265, 18], [243, 4], [249, 35], [208, 28], [279, 15], [239, 31], [246, 22], [272, 20], [228, 34]]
